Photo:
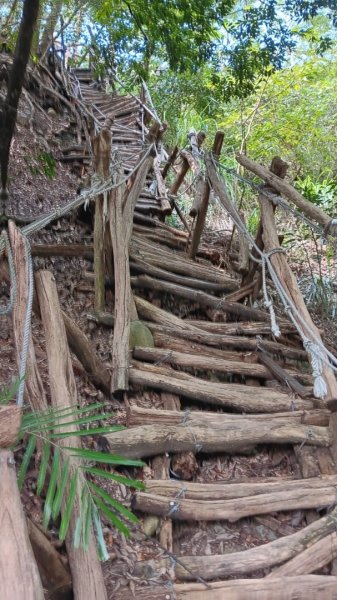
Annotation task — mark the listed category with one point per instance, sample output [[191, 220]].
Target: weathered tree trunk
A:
[[19, 574], [49, 28], [10, 421], [86, 571], [16, 78]]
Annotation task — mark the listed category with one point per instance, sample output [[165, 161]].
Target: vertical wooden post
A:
[[122, 205], [102, 151], [200, 206], [170, 161], [88, 582]]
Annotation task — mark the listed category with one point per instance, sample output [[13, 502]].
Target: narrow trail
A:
[[241, 481]]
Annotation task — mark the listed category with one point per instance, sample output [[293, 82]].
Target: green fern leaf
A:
[[102, 549], [43, 467], [134, 483], [114, 520], [103, 457], [116, 505], [60, 490], [69, 507], [84, 432], [87, 521], [51, 488], [26, 460], [78, 532]]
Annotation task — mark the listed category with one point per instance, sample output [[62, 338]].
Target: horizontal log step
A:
[[244, 398], [227, 489], [230, 437], [148, 416], [182, 509], [308, 587], [204, 363], [236, 564], [227, 342]]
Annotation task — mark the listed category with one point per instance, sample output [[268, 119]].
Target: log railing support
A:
[[102, 150], [122, 206], [84, 564], [200, 205]]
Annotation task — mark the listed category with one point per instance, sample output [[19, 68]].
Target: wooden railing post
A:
[[200, 205]]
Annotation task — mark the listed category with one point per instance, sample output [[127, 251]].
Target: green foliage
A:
[[61, 484], [8, 393]]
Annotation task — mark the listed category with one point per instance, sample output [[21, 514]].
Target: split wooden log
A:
[[178, 263], [244, 312], [231, 436], [143, 267], [310, 587], [148, 416], [241, 328], [170, 161], [153, 313], [34, 390], [10, 422], [81, 347], [102, 150], [46, 250], [282, 375], [311, 559], [226, 342], [200, 206], [277, 183], [227, 490], [85, 568], [19, 574], [206, 362], [122, 206], [215, 510], [54, 574], [240, 397], [242, 563]]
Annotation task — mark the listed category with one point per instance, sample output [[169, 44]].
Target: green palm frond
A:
[[62, 482]]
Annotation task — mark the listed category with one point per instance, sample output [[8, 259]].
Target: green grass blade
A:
[[83, 432], [114, 503], [114, 520], [134, 483], [56, 507], [102, 549], [69, 507], [48, 417], [51, 488], [103, 457], [26, 460], [87, 521], [43, 467], [78, 532]]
